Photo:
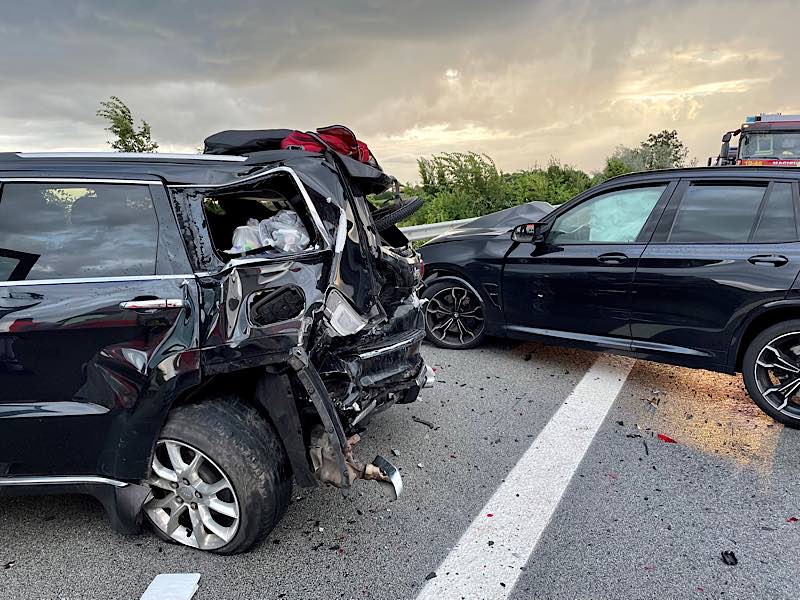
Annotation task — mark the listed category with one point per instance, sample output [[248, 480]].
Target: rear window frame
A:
[[667, 220]]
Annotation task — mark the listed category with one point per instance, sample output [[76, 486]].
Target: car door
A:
[[722, 248], [85, 319], [576, 284]]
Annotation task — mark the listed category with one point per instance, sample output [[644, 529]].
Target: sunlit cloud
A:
[[520, 81]]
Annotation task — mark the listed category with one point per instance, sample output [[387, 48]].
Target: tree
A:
[[663, 150], [121, 125]]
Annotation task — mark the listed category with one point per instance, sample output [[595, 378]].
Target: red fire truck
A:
[[771, 140]]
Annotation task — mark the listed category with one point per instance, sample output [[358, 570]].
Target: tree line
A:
[[460, 185]]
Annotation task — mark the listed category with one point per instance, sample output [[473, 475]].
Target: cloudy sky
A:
[[518, 80]]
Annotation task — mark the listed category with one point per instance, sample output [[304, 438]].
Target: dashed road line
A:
[[487, 560]]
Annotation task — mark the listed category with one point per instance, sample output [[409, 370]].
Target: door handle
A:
[[612, 258], [772, 260], [154, 304]]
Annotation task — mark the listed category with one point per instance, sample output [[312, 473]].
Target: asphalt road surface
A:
[[611, 510]]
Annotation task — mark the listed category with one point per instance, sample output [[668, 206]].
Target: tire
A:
[[453, 299], [241, 456], [391, 215], [772, 362]]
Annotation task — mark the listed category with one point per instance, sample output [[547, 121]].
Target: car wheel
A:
[[454, 315], [220, 477], [771, 372]]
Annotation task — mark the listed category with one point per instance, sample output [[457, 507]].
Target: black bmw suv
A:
[[693, 267], [183, 335]]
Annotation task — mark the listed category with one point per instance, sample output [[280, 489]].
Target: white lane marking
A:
[[522, 506], [172, 586]]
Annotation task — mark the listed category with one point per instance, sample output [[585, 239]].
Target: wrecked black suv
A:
[[182, 336]]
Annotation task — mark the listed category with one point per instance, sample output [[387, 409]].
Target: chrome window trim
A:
[[391, 348], [29, 282], [60, 480], [79, 180], [303, 192], [154, 156]]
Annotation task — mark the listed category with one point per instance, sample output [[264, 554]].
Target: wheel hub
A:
[[777, 373], [186, 492], [193, 502], [454, 315]]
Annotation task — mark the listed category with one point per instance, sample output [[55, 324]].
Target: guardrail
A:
[[416, 233]]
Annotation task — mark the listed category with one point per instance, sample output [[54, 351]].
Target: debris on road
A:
[[416, 419], [420, 465], [792, 520], [430, 575], [666, 438], [489, 515], [729, 558], [9, 564], [395, 451], [654, 402]]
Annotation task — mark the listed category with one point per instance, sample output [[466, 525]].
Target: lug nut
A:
[[179, 500], [194, 506], [198, 495], [185, 482], [173, 485]]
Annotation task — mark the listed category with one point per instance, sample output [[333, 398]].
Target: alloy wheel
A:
[[777, 373], [193, 500], [454, 316]]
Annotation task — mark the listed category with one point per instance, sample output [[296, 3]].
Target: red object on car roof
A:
[[336, 137]]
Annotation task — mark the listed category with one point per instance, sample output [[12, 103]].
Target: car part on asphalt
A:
[[683, 266], [183, 357]]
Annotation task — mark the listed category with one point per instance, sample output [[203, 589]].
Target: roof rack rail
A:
[[134, 156]]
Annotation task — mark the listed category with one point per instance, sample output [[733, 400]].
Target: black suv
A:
[[153, 355], [694, 267]]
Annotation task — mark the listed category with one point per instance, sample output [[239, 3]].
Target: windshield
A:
[[774, 144]]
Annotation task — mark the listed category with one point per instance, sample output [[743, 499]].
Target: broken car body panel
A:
[[335, 329]]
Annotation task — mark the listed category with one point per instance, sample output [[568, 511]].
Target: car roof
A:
[[727, 172], [177, 169]]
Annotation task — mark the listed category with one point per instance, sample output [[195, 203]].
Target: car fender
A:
[[787, 305]]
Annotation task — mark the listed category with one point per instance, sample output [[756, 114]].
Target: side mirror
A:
[[529, 233]]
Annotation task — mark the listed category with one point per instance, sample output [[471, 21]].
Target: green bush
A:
[[460, 185], [463, 185]]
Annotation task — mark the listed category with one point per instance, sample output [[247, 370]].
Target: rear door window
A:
[[53, 231], [717, 213], [777, 222]]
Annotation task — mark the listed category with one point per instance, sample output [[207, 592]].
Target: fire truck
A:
[[771, 140]]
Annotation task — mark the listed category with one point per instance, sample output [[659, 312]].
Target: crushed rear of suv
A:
[[182, 336]]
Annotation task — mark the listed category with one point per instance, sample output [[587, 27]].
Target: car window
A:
[[777, 222], [716, 214], [61, 231], [614, 217]]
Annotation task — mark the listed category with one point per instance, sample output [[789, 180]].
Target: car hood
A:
[[497, 222]]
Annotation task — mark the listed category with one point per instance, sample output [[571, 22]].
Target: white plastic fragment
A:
[[172, 586]]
